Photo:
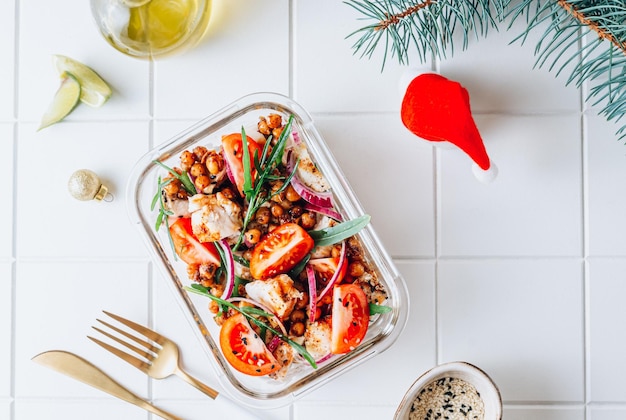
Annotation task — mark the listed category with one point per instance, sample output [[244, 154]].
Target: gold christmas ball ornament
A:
[[84, 185]]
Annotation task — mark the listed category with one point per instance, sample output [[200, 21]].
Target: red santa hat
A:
[[438, 110]]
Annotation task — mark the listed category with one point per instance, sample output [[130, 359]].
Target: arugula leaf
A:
[[183, 178], [339, 232], [247, 170]]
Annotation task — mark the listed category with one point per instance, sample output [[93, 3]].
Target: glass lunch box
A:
[[263, 392]]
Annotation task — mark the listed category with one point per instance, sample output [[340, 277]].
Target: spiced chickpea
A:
[[274, 121], [200, 152], [217, 290], [247, 255], [214, 307], [356, 269], [172, 188], [197, 169], [277, 210], [308, 220], [201, 182], [228, 193], [263, 127], [214, 164], [262, 215], [291, 194], [297, 315], [327, 299], [186, 160], [297, 329], [253, 236]]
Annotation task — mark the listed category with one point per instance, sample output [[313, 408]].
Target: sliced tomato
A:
[[279, 251], [350, 318], [232, 149], [325, 269], [187, 246], [244, 349]]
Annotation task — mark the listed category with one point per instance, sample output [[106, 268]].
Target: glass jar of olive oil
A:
[[152, 28]]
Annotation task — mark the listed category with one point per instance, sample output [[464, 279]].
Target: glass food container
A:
[[264, 392], [151, 28]]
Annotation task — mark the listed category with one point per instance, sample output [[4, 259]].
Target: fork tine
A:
[[136, 339], [143, 352], [139, 328], [139, 364]]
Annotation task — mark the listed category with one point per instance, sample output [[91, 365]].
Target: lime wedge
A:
[[65, 99], [94, 90]]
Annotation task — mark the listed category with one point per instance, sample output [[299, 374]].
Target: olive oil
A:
[[152, 28]]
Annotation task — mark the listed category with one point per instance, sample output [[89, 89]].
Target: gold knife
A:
[[79, 368]]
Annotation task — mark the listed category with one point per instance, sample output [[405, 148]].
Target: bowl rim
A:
[[488, 389]]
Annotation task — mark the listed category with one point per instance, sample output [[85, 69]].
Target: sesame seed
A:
[[448, 398]]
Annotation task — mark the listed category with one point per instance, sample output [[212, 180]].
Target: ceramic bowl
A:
[[445, 387]]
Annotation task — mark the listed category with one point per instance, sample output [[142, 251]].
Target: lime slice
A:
[[65, 99], [94, 90]]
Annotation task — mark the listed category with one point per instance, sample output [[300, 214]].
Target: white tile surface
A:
[[606, 288], [57, 409], [6, 319], [544, 413], [7, 69], [72, 227], [57, 303], [533, 208], [490, 314], [606, 413], [75, 35], [333, 79], [6, 173], [522, 277], [607, 169], [502, 79], [409, 196], [215, 71]]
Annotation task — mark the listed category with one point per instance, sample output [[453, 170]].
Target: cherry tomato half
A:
[[279, 251], [187, 246], [350, 318], [244, 349], [232, 147]]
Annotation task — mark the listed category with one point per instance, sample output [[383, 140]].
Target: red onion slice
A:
[[310, 275], [326, 211], [273, 344], [321, 199], [230, 268], [324, 358], [331, 282], [229, 171]]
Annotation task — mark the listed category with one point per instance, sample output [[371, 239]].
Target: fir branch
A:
[[586, 38], [427, 26]]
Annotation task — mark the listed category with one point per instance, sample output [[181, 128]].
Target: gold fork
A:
[[160, 358]]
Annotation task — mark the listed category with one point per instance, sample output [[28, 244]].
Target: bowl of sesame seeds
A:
[[452, 391]]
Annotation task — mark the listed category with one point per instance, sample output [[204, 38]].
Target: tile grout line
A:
[[292, 46], [13, 311], [586, 303]]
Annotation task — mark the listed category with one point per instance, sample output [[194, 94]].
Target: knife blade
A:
[[78, 368]]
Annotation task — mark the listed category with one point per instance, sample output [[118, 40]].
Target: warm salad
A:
[[255, 223]]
